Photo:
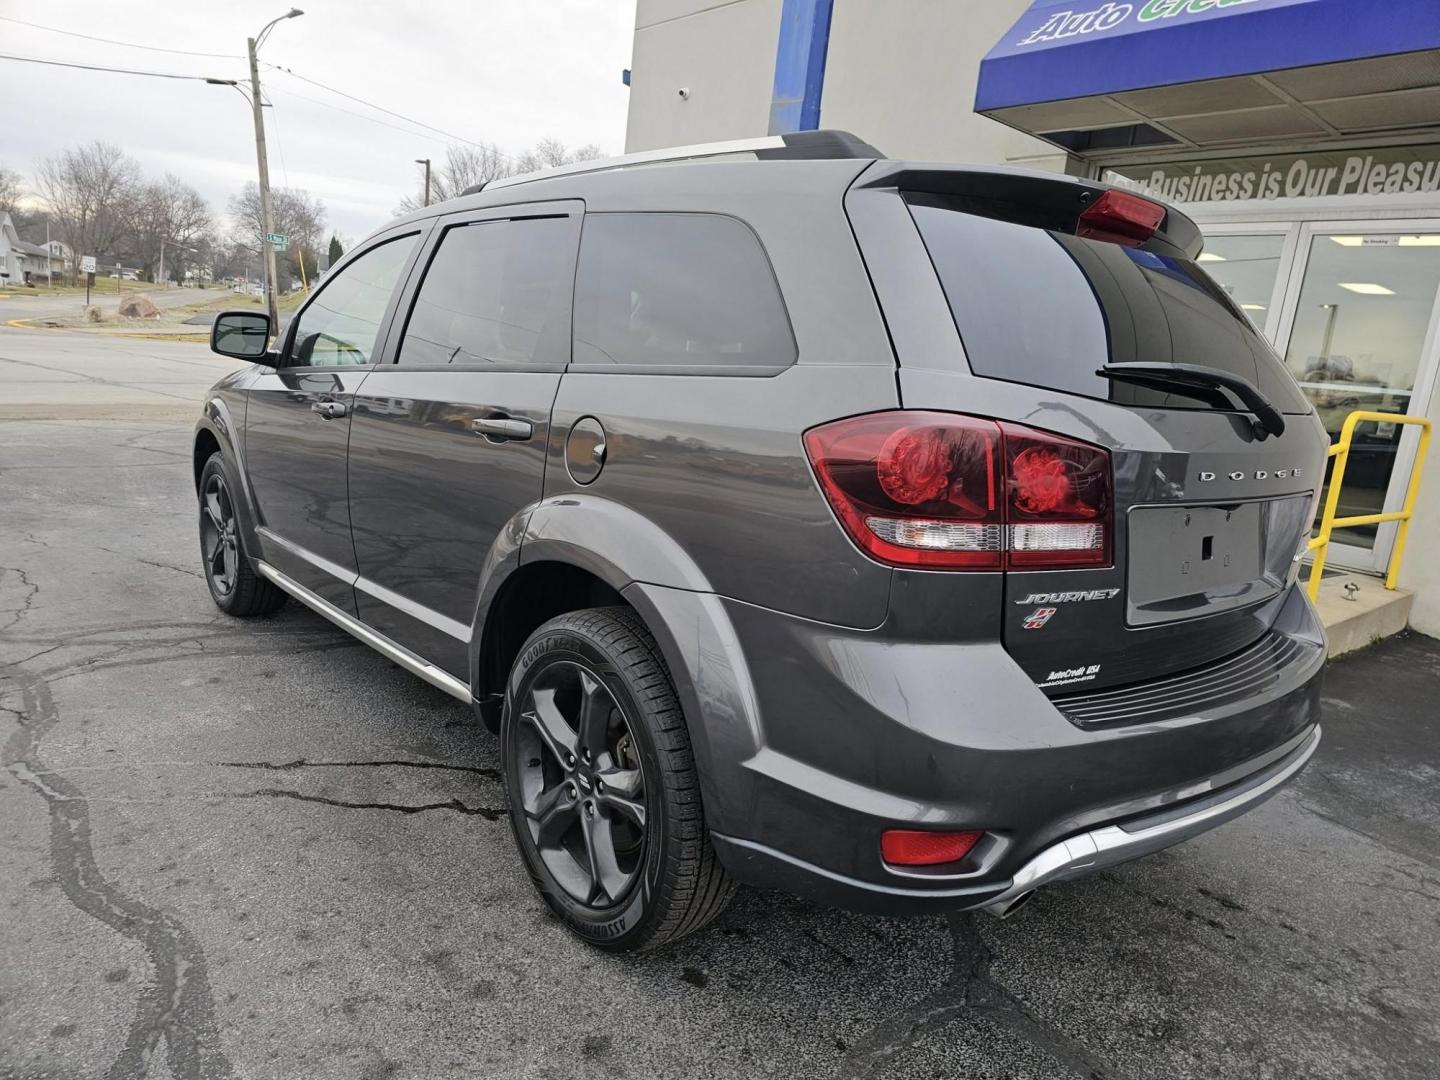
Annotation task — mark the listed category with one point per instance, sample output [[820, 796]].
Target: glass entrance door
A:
[[1358, 331], [1246, 263]]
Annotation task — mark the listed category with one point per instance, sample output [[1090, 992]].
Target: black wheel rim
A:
[[581, 784], [218, 543]]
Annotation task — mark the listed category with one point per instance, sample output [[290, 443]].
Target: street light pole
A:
[[267, 220], [426, 163]]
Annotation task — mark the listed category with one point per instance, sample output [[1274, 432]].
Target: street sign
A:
[[87, 264], [279, 239]]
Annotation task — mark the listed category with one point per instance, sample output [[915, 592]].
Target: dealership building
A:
[[1303, 136]]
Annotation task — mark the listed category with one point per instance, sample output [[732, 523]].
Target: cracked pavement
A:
[[258, 850]]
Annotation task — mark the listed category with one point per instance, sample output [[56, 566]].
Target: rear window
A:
[[1047, 308], [691, 291]]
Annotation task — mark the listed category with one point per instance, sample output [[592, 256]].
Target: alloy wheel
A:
[[218, 539], [581, 784]]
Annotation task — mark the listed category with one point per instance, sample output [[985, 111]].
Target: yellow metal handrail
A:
[[1329, 522]]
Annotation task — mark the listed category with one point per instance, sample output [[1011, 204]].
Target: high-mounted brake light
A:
[[1120, 218], [943, 491]]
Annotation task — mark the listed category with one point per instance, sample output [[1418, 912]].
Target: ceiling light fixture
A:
[[1366, 288]]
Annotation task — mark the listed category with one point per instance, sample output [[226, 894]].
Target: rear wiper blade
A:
[[1196, 375]]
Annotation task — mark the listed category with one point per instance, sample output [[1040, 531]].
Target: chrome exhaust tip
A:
[[1003, 909]]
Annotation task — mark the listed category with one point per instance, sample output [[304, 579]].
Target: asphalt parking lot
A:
[[257, 850]]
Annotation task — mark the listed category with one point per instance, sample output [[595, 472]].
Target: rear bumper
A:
[[1113, 844], [813, 739], [1073, 857]]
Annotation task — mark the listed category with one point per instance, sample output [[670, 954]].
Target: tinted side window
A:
[[682, 290], [342, 324], [492, 290]]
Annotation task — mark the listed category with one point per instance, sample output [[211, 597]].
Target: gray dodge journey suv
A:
[[906, 536]]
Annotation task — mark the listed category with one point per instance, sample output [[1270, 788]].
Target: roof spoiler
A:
[[1045, 200], [794, 146]]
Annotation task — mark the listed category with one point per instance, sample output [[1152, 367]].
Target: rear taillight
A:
[[1058, 504], [1120, 218], [939, 490]]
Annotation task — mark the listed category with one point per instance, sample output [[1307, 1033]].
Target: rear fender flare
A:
[[658, 578], [600, 536]]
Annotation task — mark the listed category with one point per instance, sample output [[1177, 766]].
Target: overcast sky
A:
[[504, 71]]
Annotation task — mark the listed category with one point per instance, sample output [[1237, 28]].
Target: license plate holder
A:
[[1194, 560]]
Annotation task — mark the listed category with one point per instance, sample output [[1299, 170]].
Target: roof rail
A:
[[795, 146]]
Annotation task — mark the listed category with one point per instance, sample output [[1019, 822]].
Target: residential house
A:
[[12, 255], [24, 263]]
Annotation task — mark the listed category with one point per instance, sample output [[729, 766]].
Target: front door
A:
[[448, 443], [1359, 332], [297, 419]]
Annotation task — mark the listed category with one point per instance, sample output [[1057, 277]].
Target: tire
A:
[[591, 686], [229, 575]]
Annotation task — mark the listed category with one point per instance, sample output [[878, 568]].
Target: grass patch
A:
[[103, 286]]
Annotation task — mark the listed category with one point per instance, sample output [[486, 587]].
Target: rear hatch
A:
[[1210, 500]]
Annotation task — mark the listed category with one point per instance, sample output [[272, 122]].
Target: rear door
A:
[[297, 417], [1206, 512], [448, 443]]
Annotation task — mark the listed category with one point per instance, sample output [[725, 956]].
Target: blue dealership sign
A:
[[1062, 49]]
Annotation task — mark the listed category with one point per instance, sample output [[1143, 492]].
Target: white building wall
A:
[[723, 53], [1420, 571], [898, 74], [902, 76]]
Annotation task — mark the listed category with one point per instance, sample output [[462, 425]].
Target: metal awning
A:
[[1101, 74]]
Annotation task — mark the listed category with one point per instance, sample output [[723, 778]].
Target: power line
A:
[[389, 112], [279, 144], [123, 44], [358, 115], [118, 71]]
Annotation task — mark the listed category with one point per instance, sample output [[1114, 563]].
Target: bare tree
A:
[[89, 191], [474, 163], [551, 153], [10, 191], [297, 215], [167, 216], [464, 166]]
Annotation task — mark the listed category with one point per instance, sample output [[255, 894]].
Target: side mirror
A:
[[241, 334]]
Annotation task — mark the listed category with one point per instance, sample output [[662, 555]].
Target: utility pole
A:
[[426, 163], [267, 220]]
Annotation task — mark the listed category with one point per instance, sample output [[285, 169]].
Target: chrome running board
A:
[[377, 641]]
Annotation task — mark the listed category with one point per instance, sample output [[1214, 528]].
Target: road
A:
[[58, 374], [256, 850], [39, 304]]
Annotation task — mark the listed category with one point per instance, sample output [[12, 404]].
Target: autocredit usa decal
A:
[[1067, 676], [1078, 20]]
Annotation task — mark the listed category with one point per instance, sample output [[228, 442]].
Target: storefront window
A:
[[1357, 342], [1245, 266]]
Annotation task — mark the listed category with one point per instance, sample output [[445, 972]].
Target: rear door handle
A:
[[330, 410], [502, 428]]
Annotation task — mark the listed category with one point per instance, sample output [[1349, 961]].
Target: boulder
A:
[[138, 306], [92, 313]]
